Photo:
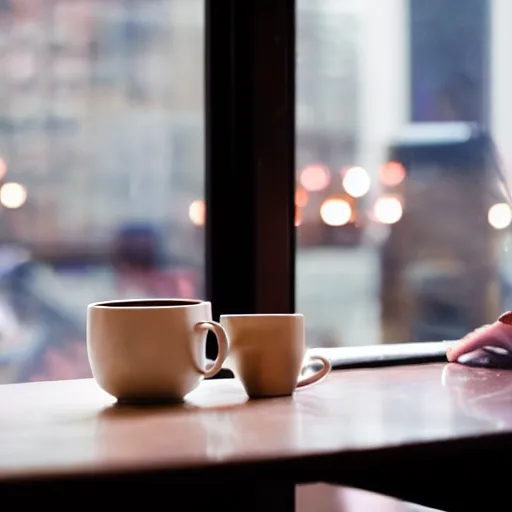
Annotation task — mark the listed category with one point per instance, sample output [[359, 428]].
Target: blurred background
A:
[[403, 162]]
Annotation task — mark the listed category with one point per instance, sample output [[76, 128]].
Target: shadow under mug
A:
[[152, 349], [268, 352]]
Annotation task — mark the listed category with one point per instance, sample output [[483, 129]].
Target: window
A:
[[403, 164], [372, 136], [102, 158]]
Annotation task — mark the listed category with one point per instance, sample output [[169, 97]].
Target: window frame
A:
[[250, 156]]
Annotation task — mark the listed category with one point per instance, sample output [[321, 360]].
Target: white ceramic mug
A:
[[151, 349], [267, 353]]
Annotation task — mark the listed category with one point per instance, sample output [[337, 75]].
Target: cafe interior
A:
[[316, 190]]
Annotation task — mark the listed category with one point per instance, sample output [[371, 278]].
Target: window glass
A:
[[101, 167], [403, 163]]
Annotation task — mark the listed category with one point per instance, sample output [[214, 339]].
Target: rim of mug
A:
[[263, 315], [125, 303]]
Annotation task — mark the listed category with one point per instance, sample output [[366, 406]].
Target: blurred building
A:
[[327, 82], [101, 116]]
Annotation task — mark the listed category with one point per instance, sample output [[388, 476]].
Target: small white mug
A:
[[267, 353]]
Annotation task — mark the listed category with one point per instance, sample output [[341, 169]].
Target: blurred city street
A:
[[338, 292], [102, 162]]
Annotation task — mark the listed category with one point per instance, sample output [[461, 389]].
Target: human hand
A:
[[490, 344]]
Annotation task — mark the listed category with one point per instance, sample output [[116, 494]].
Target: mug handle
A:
[[222, 343], [319, 375]]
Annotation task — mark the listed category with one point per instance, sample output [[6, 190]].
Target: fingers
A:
[[498, 334], [506, 318]]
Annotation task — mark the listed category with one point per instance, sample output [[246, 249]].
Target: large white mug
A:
[[151, 349], [267, 353]]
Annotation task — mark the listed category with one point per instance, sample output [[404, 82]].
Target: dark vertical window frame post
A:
[[250, 156]]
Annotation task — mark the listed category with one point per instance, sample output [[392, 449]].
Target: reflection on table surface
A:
[[328, 498], [351, 410], [482, 393]]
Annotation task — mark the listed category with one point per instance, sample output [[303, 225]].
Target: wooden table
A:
[[407, 431]]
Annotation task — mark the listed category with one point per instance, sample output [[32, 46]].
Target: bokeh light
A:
[[388, 209], [197, 212], [315, 177], [356, 182], [336, 212], [13, 195], [500, 216], [392, 174]]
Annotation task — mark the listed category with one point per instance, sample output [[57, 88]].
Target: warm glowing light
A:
[[388, 210], [315, 177], [197, 212], [335, 212], [3, 168], [356, 182], [500, 216], [13, 195], [301, 197], [392, 174], [298, 217]]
